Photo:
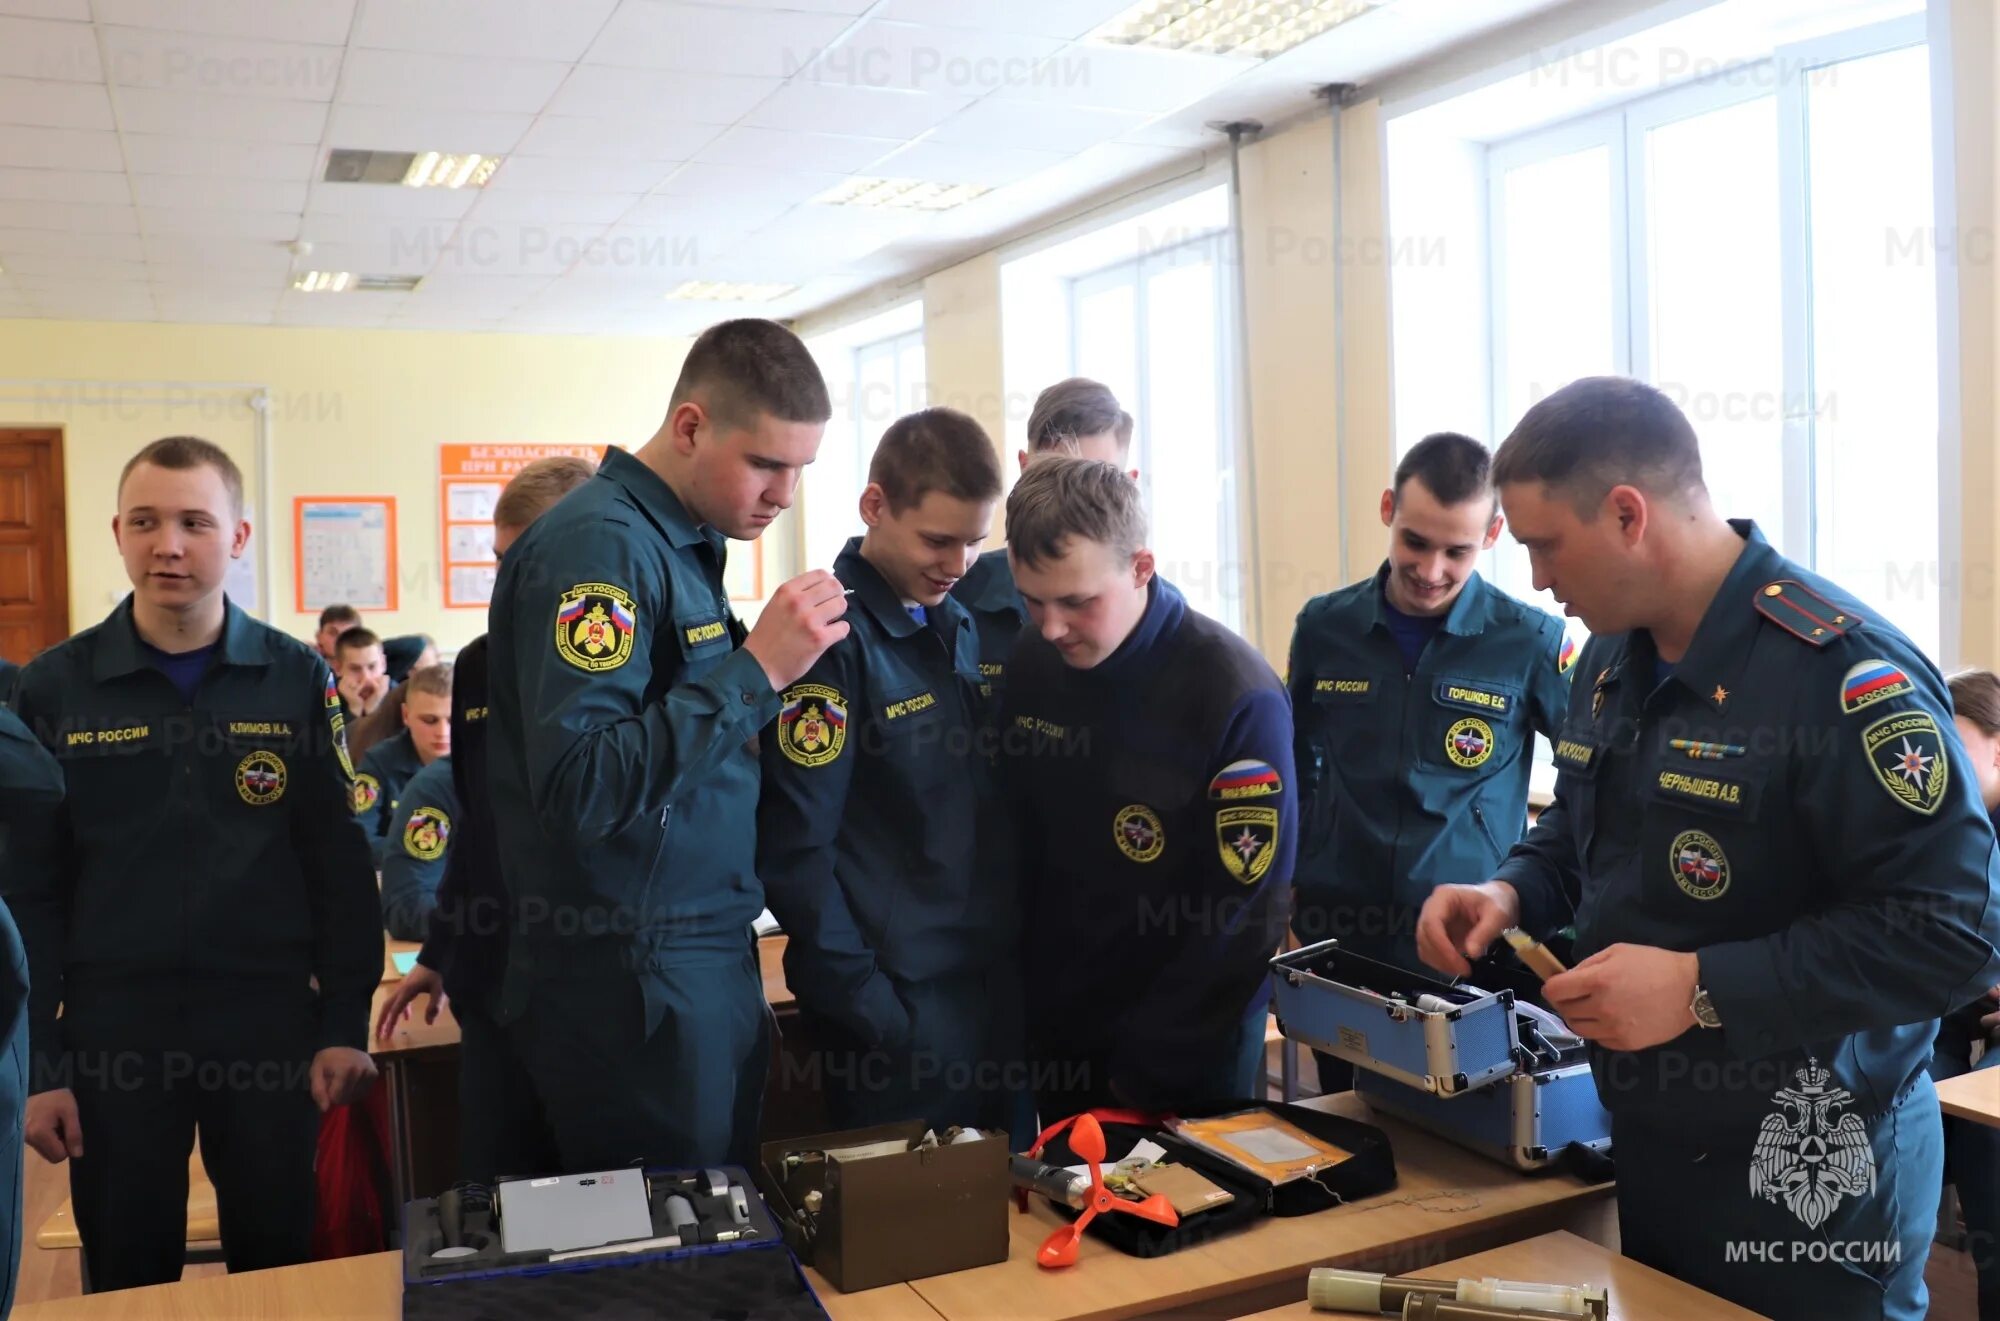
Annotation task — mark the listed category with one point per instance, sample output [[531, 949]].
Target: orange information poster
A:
[[470, 479]]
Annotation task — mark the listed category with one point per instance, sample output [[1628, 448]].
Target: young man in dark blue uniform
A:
[[503, 1128], [419, 838], [31, 784], [1076, 416], [1149, 753], [875, 856], [626, 703], [1416, 697], [390, 764], [201, 909], [1781, 878]]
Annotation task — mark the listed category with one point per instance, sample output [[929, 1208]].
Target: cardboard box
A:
[[890, 1218]]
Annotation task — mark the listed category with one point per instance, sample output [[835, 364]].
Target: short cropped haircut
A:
[[1453, 468], [1601, 432], [432, 680], [1975, 694], [1069, 410], [937, 449], [355, 639], [180, 453], [339, 614], [750, 366], [535, 489], [1059, 497]]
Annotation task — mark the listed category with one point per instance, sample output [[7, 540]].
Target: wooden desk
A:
[[1974, 1096], [1638, 1293], [1447, 1201], [360, 1289]]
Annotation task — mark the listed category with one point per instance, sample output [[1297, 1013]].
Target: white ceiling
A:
[[158, 157]]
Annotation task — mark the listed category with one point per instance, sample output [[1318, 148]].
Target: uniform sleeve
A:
[[828, 963], [419, 843], [1543, 868], [448, 901], [1234, 921], [31, 782], [599, 754], [1548, 685], [40, 870], [333, 854], [368, 801], [1904, 856]]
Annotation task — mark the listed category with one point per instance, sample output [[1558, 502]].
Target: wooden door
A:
[[34, 559]]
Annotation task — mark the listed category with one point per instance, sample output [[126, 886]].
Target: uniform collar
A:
[[656, 499], [990, 585], [120, 651], [1165, 608], [1721, 646], [1468, 616], [879, 599]]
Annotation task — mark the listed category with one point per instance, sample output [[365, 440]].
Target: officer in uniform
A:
[[897, 903], [1076, 416], [390, 764], [201, 909], [414, 862], [1782, 874], [1416, 697], [30, 784], [503, 1129], [626, 701], [1149, 754]]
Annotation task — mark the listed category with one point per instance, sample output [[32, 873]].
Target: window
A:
[[1145, 303], [1726, 241], [874, 370]]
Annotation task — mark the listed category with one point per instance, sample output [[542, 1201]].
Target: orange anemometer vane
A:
[[1086, 1139]]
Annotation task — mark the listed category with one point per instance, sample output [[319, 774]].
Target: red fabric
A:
[[355, 1209]]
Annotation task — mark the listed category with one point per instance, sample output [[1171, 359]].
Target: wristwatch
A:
[[1703, 1009]]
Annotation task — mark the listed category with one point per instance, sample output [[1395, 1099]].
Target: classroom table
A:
[[357, 1287], [1638, 1293], [1447, 1201], [1974, 1096]]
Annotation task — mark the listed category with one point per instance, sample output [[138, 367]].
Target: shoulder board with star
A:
[[1804, 613]]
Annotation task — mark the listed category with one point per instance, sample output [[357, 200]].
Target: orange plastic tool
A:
[[1086, 1139]]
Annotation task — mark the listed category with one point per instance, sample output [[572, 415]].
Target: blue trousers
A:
[[1686, 1207]]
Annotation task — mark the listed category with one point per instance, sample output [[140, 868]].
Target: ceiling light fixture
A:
[[323, 282], [1262, 28], [721, 291], [439, 169], [902, 194]]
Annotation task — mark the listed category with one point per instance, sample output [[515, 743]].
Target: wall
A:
[[962, 353], [352, 413]]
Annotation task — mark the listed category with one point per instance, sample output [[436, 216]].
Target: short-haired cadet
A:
[[1148, 751], [422, 809], [333, 621], [626, 702], [390, 764], [503, 1128], [879, 850], [1416, 697], [1078, 417], [361, 670], [201, 908], [1783, 875]]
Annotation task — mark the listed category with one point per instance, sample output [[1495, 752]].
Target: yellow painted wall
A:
[[962, 353], [352, 413]]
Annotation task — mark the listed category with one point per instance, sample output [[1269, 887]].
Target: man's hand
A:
[[802, 620], [340, 1074], [51, 1125], [396, 1009], [362, 694], [1459, 922], [1990, 1023], [1627, 997]]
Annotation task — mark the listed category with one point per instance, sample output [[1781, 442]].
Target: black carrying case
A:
[[1369, 1169]]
